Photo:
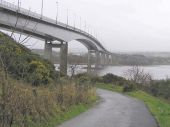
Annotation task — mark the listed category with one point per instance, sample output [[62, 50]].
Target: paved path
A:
[[114, 110]]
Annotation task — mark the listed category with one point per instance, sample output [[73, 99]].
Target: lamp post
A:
[[67, 16], [42, 6], [80, 23], [74, 21], [57, 13], [85, 26], [19, 5]]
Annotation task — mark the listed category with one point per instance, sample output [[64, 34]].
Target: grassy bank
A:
[[32, 94], [72, 112], [159, 108]]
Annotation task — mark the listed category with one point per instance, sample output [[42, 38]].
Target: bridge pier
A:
[[105, 59], [111, 59], [89, 61], [48, 50], [96, 61], [63, 55], [63, 58], [102, 59], [97, 58]]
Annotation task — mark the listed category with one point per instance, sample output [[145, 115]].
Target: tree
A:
[[26, 38], [138, 76], [74, 62]]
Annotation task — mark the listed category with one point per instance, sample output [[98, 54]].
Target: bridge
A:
[[55, 34]]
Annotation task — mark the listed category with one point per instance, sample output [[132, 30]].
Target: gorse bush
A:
[[21, 63]]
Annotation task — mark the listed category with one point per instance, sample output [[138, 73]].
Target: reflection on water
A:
[[78, 69]]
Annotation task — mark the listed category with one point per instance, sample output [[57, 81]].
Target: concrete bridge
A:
[[54, 33]]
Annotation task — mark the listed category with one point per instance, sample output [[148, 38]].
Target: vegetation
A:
[[32, 94], [159, 107], [20, 63], [159, 88], [141, 59]]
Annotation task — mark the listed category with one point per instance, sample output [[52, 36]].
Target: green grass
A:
[[110, 87], [58, 119], [158, 107]]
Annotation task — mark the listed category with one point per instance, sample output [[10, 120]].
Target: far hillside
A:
[[140, 58]]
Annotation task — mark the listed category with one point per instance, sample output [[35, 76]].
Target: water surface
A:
[[157, 72]]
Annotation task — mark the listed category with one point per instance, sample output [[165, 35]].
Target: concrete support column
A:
[[112, 59], [89, 62], [97, 60], [63, 58], [100, 58], [103, 59], [48, 51], [107, 59]]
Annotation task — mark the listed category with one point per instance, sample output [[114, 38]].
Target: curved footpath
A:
[[114, 110]]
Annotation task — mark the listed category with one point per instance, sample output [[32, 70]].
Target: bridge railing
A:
[[17, 9]]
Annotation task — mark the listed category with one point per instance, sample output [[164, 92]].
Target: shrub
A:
[[110, 78], [160, 88], [39, 73], [96, 79], [25, 105], [129, 87], [22, 64]]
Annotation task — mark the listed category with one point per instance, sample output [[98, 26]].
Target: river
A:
[[156, 71]]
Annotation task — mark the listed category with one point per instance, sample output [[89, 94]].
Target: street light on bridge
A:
[[42, 6], [57, 12], [80, 23], [67, 16], [74, 21]]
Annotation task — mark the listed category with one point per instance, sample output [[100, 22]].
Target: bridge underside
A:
[[49, 32]]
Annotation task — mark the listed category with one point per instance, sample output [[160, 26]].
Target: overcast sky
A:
[[124, 25]]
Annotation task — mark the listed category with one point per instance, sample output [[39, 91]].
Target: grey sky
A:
[[124, 25]]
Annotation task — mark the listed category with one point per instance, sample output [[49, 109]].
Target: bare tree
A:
[[17, 18], [73, 69], [74, 62], [138, 75], [26, 23]]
